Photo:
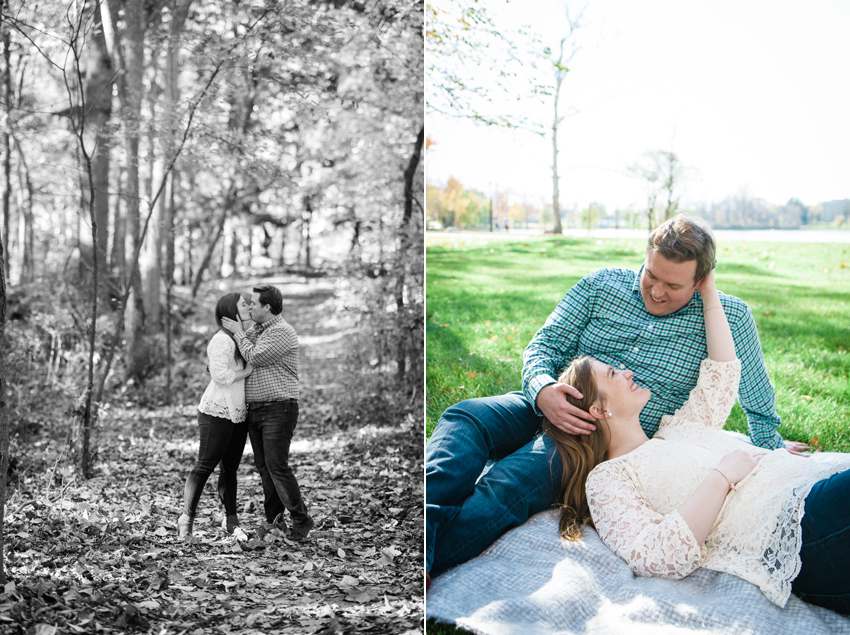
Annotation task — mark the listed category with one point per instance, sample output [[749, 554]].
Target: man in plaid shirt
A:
[[271, 392], [650, 322]]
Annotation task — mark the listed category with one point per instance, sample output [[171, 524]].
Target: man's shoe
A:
[[184, 525], [299, 532], [279, 523]]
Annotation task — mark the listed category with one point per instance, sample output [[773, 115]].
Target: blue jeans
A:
[[222, 442], [465, 514], [270, 428], [824, 577]]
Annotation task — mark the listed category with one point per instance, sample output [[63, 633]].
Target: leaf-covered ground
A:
[[102, 556]]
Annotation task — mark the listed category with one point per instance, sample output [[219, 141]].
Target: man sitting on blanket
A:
[[650, 321]]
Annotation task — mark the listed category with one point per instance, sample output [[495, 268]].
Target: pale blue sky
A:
[[753, 95]]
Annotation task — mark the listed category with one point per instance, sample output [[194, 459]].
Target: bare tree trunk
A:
[[98, 111], [179, 13], [7, 146], [282, 258], [131, 101], [556, 178], [4, 414], [229, 201], [306, 216], [404, 245], [25, 224], [118, 260]]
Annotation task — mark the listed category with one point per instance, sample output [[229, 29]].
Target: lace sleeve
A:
[[711, 400], [220, 351], [652, 544]]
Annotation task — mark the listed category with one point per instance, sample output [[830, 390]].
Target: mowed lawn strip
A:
[[486, 298]]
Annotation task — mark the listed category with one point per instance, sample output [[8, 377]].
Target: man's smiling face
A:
[[666, 286]]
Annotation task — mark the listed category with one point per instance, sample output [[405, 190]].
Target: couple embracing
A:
[[253, 392], [629, 438]]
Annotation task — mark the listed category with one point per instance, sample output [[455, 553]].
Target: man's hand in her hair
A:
[[562, 414]]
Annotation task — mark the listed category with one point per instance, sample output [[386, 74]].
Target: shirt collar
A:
[[269, 323], [694, 303]]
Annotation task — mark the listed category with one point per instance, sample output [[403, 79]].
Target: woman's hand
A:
[[248, 369], [736, 465], [707, 283], [561, 413]]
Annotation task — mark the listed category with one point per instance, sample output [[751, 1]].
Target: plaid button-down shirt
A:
[[603, 316], [272, 349]]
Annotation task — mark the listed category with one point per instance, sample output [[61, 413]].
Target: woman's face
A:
[[242, 308], [623, 397]]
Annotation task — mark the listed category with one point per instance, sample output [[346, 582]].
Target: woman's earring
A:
[[609, 414]]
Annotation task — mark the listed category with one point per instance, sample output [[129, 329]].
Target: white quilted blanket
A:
[[530, 582]]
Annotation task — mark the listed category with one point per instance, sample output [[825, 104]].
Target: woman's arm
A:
[[701, 508], [718, 335], [654, 544], [242, 374]]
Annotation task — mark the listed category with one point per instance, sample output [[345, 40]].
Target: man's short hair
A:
[[270, 295], [684, 238]]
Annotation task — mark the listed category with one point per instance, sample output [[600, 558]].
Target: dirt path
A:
[[102, 556]]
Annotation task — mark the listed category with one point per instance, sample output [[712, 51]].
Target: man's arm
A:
[[755, 393], [552, 346], [268, 349]]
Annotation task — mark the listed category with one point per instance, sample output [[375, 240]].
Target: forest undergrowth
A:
[[102, 555]]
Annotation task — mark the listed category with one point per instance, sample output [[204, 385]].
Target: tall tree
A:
[[4, 414], [7, 142], [96, 74], [664, 174], [129, 47], [179, 10], [567, 48]]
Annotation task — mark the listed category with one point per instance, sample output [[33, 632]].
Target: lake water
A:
[[755, 235]]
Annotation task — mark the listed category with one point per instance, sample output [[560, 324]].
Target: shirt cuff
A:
[[535, 385]]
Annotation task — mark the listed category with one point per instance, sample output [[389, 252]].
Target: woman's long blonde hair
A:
[[580, 453]]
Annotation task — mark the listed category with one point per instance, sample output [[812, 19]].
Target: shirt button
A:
[[650, 327], [635, 349], [622, 365]]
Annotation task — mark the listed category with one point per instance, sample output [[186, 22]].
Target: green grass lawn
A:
[[487, 298]]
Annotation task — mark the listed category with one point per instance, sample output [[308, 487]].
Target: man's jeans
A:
[[824, 577], [222, 442], [462, 517], [270, 428]]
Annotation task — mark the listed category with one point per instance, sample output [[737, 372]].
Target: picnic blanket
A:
[[532, 583]]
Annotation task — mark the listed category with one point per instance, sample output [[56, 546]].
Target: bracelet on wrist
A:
[[728, 480]]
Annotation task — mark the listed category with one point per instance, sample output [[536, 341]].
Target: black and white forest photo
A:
[[212, 317]]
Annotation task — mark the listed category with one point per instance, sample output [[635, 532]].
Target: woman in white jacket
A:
[[221, 419]]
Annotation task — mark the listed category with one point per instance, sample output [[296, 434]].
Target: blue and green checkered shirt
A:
[[603, 316]]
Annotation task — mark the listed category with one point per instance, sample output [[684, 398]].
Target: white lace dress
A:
[[225, 396], [633, 499]]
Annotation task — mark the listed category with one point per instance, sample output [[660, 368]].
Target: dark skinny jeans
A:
[[222, 442]]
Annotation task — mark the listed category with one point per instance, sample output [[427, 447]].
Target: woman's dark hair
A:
[[226, 308], [580, 453]]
